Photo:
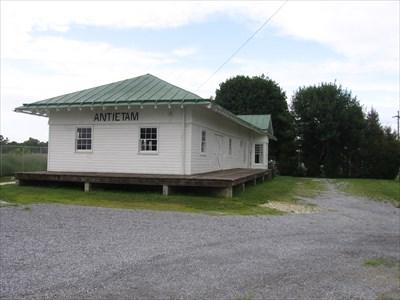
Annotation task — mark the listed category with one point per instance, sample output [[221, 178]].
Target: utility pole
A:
[[398, 123]]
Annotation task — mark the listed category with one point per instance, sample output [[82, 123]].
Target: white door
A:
[[219, 151]]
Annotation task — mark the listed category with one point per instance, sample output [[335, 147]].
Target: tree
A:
[[34, 142], [380, 155], [329, 123], [260, 95], [3, 140], [371, 145], [390, 164]]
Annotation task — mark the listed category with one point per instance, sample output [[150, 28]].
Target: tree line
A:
[[325, 131], [30, 145]]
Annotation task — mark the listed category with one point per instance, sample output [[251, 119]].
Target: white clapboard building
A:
[[145, 125]]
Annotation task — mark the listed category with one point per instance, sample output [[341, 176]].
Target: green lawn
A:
[[247, 203], [377, 189]]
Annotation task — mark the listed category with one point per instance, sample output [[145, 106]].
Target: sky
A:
[[51, 48]]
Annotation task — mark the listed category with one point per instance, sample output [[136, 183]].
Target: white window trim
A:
[[244, 149], [76, 140], [148, 152], [203, 153], [263, 154]]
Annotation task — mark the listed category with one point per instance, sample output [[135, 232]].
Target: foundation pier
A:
[[87, 187], [165, 190]]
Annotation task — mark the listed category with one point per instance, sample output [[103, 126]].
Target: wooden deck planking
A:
[[223, 178]]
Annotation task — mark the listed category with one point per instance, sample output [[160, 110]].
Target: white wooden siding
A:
[[215, 124], [116, 144]]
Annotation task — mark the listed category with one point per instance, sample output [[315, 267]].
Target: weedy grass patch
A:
[[380, 261], [244, 203], [376, 189]]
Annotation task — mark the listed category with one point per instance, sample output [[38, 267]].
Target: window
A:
[[258, 153], [230, 146], [148, 140], [244, 151], [203, 147], [83, 139]]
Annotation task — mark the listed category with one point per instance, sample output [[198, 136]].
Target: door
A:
[[219, 151]]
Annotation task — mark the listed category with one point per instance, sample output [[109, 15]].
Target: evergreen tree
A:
[[329, 123]]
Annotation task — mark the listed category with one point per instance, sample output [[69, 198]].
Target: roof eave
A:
[[43, 109], [271, 136], [35, 112]]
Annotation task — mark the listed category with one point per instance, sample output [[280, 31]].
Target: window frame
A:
[[203, 151], [261, 161], [148, 152], [91, 139], [244, 149]]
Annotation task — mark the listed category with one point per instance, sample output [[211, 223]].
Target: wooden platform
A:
[[224, 179]]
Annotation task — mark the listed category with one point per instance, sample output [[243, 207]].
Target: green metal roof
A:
[[142, 90], [145, 89], [260, 121]]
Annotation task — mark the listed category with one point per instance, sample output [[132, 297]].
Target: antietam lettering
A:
[[116, 116]]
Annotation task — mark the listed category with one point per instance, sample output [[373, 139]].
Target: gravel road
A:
[[73, 252]]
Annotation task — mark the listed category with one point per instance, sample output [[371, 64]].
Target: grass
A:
[[377, 189], [379, 261], [246, 203]]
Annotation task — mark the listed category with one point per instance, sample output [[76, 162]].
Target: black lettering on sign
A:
[[116, 116], [134, 116]]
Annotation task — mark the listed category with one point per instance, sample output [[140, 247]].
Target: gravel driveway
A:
[[72, 252]]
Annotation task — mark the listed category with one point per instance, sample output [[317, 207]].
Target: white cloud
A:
[[354, 28], [357, 29], [182, 52]]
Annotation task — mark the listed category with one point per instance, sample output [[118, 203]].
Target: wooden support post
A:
[[18, 182], [255, 181], [86, 187], [263, 178], [243, 187], [228, 192], [165, 190]]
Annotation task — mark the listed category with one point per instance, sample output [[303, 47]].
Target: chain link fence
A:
[[14, 158]]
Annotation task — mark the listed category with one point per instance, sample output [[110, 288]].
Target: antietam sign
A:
[[116, 116]]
